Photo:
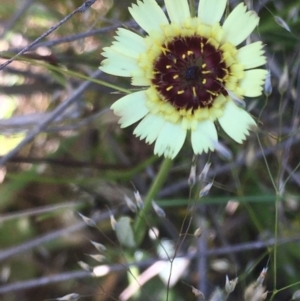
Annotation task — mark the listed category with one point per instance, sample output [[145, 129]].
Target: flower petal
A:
[[239, 24], [252, 55], [129, 43], [178, 11], [162, 112], [253, 81], [148, 15], [204, 137], [149, 128], [140, 80], [131, 108], [211, 11], [170, 140], [119, 64], [236, 122]]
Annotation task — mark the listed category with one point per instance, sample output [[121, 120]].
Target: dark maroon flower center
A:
[[190, 73]]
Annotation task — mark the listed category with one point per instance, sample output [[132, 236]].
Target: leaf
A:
[[124, 232]]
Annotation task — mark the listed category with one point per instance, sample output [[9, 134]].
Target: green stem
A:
[[278, 193], [139, 226], [75, 74]]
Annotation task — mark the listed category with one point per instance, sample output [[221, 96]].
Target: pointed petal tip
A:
[[238, 127], [239, 24]]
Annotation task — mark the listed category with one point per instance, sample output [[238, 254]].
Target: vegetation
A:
[[72, 223]]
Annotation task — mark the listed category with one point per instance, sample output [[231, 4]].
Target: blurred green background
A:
[[83, 162]]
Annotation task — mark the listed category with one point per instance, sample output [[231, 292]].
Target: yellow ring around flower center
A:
[[157, 102]]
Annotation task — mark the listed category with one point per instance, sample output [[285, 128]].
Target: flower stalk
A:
[[140, 226]]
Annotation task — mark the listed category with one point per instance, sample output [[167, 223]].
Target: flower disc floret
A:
[[190, 73], [193, 72]]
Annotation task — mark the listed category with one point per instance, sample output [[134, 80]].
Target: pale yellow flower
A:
[[190, 71]]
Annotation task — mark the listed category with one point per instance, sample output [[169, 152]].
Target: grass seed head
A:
[[130, 204], [158, 210], [230, 285]]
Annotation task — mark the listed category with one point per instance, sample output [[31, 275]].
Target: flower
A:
[[190, 71]]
